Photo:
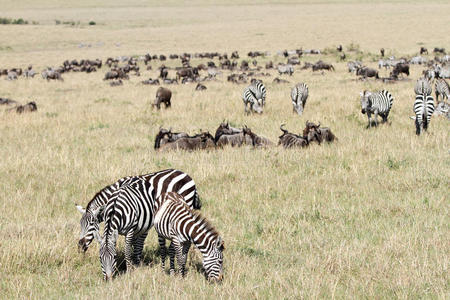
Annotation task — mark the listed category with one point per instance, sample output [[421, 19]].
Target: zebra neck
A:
[[202, 236]]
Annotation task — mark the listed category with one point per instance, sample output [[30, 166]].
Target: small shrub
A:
[[92, 23]]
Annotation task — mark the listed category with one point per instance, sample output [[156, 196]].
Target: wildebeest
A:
[[29, 107], [227, 135], [165, 136], [163, 73], [439, 50], [285, 69], [315, 133], [293, 61], [200, 87], [423, 50], [320, 65], [339, 48], [162, 95], [382, 52], [116, 82], [291, 140], [202, 140], [6, 101], [187, 73], [279, 80], [116, 74], [366, 72], [151, 81], [257, 141], [234, 55], [51, 74], [399, 69], [269, 65]]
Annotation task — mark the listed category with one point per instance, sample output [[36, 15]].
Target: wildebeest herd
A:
[[168, 199]]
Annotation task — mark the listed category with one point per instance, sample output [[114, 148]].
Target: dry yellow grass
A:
[[364, 217]]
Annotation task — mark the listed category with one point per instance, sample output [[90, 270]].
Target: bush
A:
[[91, 23], [6, 21]]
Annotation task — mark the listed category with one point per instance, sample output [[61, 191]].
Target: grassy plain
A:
[[367, 216]]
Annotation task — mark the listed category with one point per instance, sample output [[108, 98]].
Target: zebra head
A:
[[89, 227], [298, 107], [366, 103], [108, 254], [213, 262], [258, 106]]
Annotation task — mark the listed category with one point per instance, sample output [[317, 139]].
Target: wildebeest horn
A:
[[281, 128], [318, 126]]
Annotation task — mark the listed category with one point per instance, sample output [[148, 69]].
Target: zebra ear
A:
[[80, 209]]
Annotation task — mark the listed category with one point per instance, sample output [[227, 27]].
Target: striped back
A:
[[174, 220], [381, 100], [250, 97], [259, 90], [422, 87], [161, 181], [423, 108], [299, 93]]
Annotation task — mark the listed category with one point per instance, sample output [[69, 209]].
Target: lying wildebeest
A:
[[279, 80], [227, 135], [115, 74], [202, 140], [291, 140], [285, 69], [200, 87], [6, 101], [257, 141], [269, 65], [423, 50], [170, 81], [116, 82], [162, 95], [29, 107], [151, 81], [320, 65], [51, 74], [366, 72], [165, 136], [399, 69], [315, 133], [439, 50]]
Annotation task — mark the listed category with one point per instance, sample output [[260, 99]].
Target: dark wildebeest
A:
[[291, 140], [339, 48], [399, 69], [234, 55], [423, 50], [315, 133], [257, 141], [162, 95], [165, 136], [227, 135], [7, 101], [306, 65], [187, 73], [29, 107], [366, 72], [163, 73], [293, 61], [151, 81], [269, 65], [439, 50], [382, 52], [320, 65], [200, 87], [116, 82], [279, 80], [202, 140], [51, 74]]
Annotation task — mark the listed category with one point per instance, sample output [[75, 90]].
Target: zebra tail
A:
[[197, 204]]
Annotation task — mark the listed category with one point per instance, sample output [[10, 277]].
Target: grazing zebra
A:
[[299, 94], [442, 89], [379, 103], [161, 181], [129, 212], [424, 104], [423, 86], [254, 96], [175, 221]]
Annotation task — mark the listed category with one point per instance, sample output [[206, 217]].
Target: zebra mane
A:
[[97, 199], [198, 217]]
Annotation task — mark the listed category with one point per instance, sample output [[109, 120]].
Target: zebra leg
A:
[[138, 247], [172, 258], [178, 247], [370, 121], [417, 125], [375, 116], [129, 241], [163, 251], [182, 263], [425, 123]]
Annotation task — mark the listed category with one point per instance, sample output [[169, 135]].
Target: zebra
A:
[[129, 212], [379, 103], [424, 105], [422, 86], [175, 221], [299, 95], [161, 181], [254, 96], [441, 89]]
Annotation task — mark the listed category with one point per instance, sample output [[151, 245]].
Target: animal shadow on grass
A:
[[150, 257]]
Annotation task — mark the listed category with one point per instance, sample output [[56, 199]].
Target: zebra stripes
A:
[[299, 95], [175, 221], [441, 89], [379, 103], [161, 181], [254, 96], [423, 105], [129, 212]]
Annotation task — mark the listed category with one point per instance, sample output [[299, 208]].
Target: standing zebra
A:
[[424, 104], [379, 103], [254, 96], [129, 212], [175, 221], [299, 94], [441, 89], [161, 181]]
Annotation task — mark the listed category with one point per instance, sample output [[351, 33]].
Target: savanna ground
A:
[[367, 216]]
